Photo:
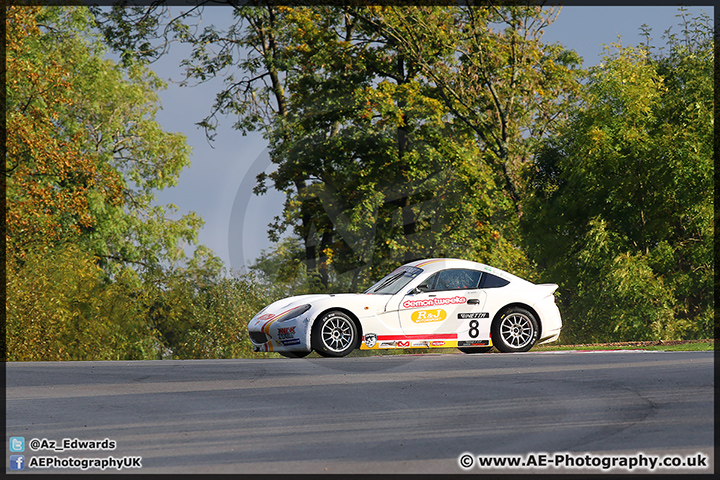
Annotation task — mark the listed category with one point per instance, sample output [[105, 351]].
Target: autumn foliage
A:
[[396, 134], [95, 269], [50, 176]]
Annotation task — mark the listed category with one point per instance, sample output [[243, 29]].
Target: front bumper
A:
[[278, 336]]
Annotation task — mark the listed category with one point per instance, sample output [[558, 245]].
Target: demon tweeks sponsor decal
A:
[[434, 302]]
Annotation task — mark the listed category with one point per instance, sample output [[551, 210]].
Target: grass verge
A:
[[661, 345]]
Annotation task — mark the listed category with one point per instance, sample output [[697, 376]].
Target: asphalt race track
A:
[[385, 414]]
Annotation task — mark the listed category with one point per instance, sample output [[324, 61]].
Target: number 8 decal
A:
[[474, 331]]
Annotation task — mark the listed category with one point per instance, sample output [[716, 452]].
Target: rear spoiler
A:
[[548, 288]]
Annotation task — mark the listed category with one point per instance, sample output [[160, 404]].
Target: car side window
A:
[[428, 284], [491, 281], [452, 279]]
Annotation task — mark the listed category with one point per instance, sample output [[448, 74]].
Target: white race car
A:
[[441, 302]]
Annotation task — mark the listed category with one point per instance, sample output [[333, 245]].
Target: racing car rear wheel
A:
[[514, 330], [334, 334]]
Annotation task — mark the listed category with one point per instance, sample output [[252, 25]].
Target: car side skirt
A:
[[447, 340]]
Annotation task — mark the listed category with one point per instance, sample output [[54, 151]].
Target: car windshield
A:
[[394, 282]]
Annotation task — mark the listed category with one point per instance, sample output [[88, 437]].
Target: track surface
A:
[[386, 414]]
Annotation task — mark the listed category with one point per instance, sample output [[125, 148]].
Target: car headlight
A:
[[295, 312]]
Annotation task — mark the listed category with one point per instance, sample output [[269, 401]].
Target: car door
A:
[[440, 309]]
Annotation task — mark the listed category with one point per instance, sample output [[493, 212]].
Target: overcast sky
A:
[[217, 185]]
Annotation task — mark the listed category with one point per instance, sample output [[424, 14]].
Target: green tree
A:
[[49, 180], [200, 313], [85, 155], [90, 256], [491, 68], [368, 112], [368, 143], [622, 207], [59, 306]]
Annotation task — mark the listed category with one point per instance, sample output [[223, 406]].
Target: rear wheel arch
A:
[[517, 321], [523, 306]]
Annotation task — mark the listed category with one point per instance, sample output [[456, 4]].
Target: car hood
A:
[[322, 301], [290, 302]]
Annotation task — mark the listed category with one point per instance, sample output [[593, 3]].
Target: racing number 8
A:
[[474, 331]]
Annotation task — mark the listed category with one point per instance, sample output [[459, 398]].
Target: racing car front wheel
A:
[[334, 334], [514, 330]]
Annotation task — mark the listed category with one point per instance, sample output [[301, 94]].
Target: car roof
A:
[[436, 264]]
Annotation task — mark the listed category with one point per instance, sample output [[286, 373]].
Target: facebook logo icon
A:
[[17, 462]]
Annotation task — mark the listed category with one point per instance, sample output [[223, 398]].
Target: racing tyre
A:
[[334, 334], [474, 349], [514, 330]]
